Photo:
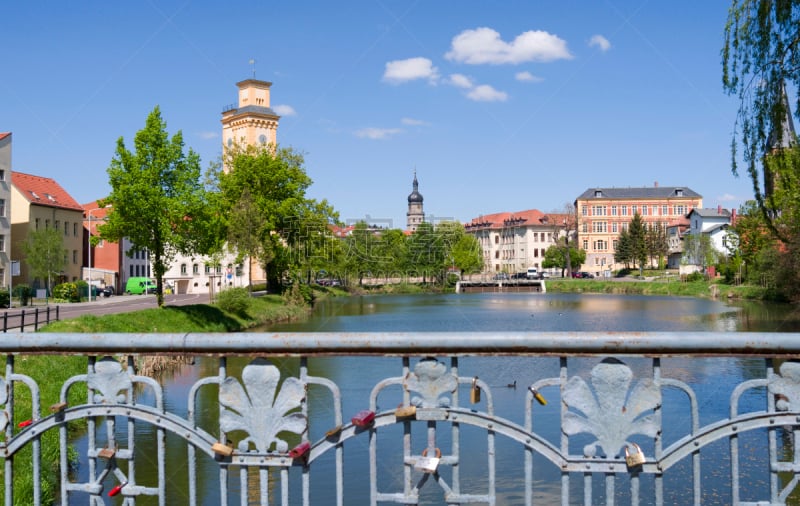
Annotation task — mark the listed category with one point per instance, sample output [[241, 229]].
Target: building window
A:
[[680, 209], [598, 210], [634, 210], [131, 271], [2, 248], [2, 175], [613, 210], [644, 210], [585, 244], [74, 256], [183, 269], [195, 269], [614, 243], [614, 227], [584, 210], [624, 210], [599, 226], [600, 245], [585, 227], [664, 210], [207, 268], [219, 268], [496, 239], [2, 207], [47, 224]]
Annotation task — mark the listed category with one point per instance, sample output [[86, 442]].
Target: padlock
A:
[[475, 392], [405, 411], [300, 451], [116, 490], [428, 464], [539, 397], [363, 418], [636, 458]]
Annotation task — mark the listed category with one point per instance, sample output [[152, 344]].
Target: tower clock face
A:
[[262, 139], [230, 141]]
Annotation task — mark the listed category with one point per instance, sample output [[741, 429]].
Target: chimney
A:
[[733, 216], [719, 209], [655, 184]]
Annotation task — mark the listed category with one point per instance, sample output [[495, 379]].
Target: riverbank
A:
[[702, 289]]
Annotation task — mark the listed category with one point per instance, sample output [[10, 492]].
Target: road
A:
[[125, 304]]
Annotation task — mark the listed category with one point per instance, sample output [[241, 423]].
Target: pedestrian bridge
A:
[[268, 447]]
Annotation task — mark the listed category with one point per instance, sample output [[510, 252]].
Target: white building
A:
[[513, 242], [5, 212]]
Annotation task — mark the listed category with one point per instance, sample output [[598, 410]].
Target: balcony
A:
[[429, 429]]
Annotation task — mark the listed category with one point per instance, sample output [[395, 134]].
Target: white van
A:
[[533, 273]]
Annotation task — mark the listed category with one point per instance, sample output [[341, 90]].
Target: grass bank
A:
[[703, 289]]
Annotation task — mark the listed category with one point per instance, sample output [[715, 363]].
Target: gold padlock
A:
[[428, 464], [636, 458], [475, 392]]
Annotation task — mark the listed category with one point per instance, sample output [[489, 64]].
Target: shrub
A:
[[22, 293], [66, 291], [4, 298], [234, 300]]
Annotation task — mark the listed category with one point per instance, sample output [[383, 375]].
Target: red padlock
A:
[[363, 418], [116, 490], [25, 423], [300, 450]]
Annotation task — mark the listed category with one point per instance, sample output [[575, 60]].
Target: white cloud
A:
[[728, 198], [413, 122], [377, 133], [484, 45], [400, 71], [460, 81], [208, 135], [527, 77], [485, 93], [284, 110], [600, 42]]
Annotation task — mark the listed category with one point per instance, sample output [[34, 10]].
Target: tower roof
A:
[[785, 136], [415, 196]]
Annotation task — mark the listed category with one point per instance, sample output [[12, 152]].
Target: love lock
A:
[[475, 392], [428, 464], [636, 458]]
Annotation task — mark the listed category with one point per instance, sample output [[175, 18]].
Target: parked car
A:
[[533, 273], [582, 274], [500, 276], [108, 291], [519, 275]]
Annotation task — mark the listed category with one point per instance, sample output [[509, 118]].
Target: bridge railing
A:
[[611, 425]]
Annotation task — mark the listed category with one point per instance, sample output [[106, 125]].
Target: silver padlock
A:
[[428, 464], [636, 458]]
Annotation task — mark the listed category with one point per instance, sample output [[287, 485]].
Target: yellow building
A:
[[603, 213], [39, 203]]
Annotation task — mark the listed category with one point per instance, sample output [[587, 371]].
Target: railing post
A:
[[36, 319], [5, 322], [22, 321]]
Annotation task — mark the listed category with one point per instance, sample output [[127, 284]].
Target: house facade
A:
[[514, 242], [40, 203], [5, 210], [603, 213], [714, 223]]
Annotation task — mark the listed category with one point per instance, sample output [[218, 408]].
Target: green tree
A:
[[459, 249], [656, 244], [554, 257], [45, 254], [363, 251], [157, 199], [638, 241], [277, 213], [426, 253], [624, 251], [760, 55], [752, 237], [698, 250]]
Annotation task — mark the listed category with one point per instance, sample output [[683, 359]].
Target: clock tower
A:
[[252, 122]]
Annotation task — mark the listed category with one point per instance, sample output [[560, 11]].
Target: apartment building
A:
[[5, 212], [40, 202], [513, 242], [603, 213]]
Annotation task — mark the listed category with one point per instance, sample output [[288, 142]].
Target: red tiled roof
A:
[[43, 191], [3, 135], [500, 220]]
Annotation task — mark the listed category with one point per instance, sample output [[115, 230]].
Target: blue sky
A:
[[498, 106]]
